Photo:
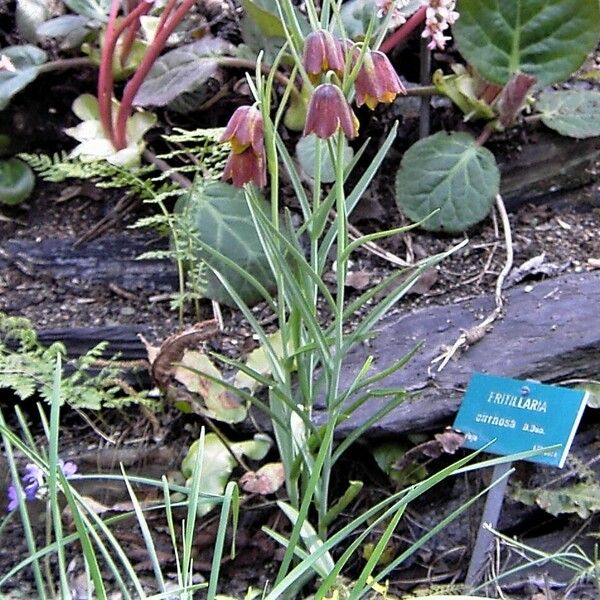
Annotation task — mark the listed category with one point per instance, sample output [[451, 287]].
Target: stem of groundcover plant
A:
[[144, 67], [105, 80], [65, 63], [485, 135], [402, 33]]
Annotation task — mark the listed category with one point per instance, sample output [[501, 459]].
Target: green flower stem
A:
[[244, 63]]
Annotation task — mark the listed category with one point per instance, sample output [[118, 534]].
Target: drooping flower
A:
[[328, 111], [247, 161], [322, 52], [245, 167], [377, 81], [244, 129], [440, 14]]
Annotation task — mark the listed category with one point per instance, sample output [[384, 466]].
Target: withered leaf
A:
[[267, 480]]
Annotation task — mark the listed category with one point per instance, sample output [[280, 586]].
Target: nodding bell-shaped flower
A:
[[322, 52], [329, 111], [247, 161], [246, 167], [377, 81], [245, 128]]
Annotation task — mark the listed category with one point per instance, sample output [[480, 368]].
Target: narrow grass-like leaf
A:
[[230, 492], [87, 547], [305, 504], [355, 434], [359, 189], [146, 534], [24, 514], [53, 501]]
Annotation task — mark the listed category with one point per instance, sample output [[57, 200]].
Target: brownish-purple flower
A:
[[329, 111], [377, 81], [245, 129], [245, 167], [247, 161], [322, 52]]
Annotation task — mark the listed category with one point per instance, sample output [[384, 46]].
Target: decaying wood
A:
[[112, 259], [549, 333], [549, 163]]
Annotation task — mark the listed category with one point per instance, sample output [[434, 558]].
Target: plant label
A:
[[518, 416]]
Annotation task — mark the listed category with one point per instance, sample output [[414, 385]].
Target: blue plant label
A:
[[519, 416]]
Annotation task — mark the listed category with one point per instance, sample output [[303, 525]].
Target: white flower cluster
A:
[[398, 17], [439, 16]]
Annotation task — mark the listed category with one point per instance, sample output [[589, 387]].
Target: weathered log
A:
[[550, 332], [110, 259], [549, 164]]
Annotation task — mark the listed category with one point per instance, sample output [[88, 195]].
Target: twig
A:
[[375, 248], [476, 333], [162, 165]]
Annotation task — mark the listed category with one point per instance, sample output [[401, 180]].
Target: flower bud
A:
[[328, 111]]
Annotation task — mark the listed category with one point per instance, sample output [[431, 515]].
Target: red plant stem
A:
[[403, 32], [484, 136], [131, 32], [133, 85], [168, 9], [105, 79]]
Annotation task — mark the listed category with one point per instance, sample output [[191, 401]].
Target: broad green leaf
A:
[[575, 113], [16, 181], [221, 217], [257, 361], [546, 38], [86, 107], [70, 30], [181, 70], [25, 60], [450, 173], [265, 16], [93, 9], [219, 402], [219, 461], [29, 15], [581, 498], [305, 153], [593, 390], [356, 15]]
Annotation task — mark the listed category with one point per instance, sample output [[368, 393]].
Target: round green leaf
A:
[[16, 181], [571, 112], [220, 214], [305, 152], [546, 38], [451, 173]]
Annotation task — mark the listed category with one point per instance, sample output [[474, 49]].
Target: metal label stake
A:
[[491, 514]]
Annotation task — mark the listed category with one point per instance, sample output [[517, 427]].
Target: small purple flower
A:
[[13, 498], [69, 468], [33, 482]]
